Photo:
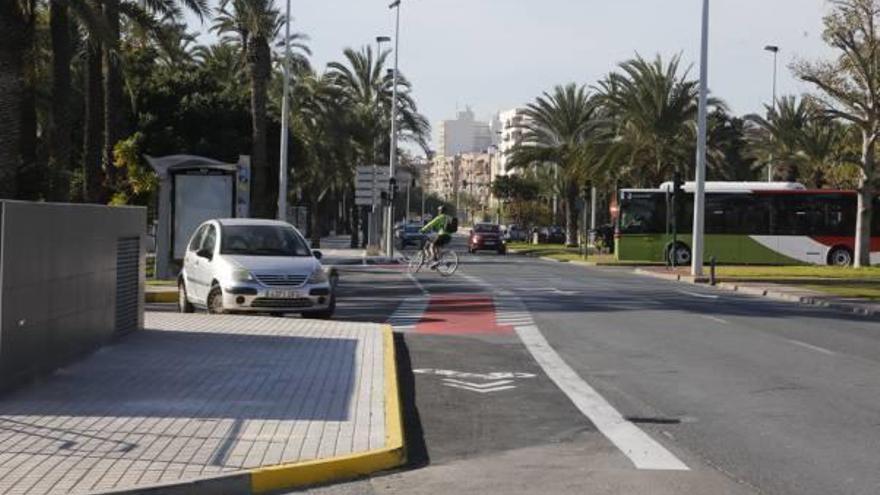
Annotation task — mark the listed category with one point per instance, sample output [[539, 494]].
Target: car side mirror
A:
[[317, 254], [204, 253]]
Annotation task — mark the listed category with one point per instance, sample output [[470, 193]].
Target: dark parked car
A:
[[409, 235], [551, 235], [486, 237]]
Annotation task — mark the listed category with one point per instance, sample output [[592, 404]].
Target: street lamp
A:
[[373, 226], [392, 162], [285, 102], [700, 176], [775, 50]]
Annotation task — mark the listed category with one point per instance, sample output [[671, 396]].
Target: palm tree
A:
[[729, 158], [778, 138], [321, 119], [16, 24], [565, 129], [367, 89], [654, 109], [253, 25]]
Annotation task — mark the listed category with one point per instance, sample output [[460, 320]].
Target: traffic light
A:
[[677, 183]]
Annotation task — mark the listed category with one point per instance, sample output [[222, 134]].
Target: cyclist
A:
[[440, 224]]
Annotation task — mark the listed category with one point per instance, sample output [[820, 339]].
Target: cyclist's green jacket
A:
[[439, 223]]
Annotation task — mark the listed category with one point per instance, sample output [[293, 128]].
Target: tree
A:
[[850, 90], [367, 90], [16, 24], [252, 25], [729, 157], [654, 111], [562, 129], [778, 139]]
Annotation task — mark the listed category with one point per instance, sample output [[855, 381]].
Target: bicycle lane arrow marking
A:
[[500, 380]]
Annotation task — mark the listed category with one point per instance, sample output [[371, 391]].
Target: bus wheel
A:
[[840, 256], [679, 254]]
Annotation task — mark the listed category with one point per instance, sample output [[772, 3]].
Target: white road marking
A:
[[417, 283], [717, 320], [478, 385], [697, 294], [642, 450], [479, 390], [812, 347]]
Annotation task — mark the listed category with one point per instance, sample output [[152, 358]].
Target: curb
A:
[[301, 474], [768, 293], [161, 296]]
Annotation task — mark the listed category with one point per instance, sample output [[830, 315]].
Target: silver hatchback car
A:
[[250, 265]]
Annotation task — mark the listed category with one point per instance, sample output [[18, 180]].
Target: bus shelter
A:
[[193, 189]]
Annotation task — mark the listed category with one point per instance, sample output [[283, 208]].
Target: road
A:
[[522, 375]]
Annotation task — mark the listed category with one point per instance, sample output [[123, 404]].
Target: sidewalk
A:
[[337, 251], [194, 397], [778, 291]]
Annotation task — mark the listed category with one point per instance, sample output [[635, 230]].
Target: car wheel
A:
[[183, 304], [840, 256], [215, 301], [323, 314]]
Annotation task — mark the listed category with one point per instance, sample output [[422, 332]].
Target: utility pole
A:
[[285, 103], [700, 176], [775, 50], [392, 165]]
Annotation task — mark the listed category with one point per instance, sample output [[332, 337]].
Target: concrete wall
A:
[[60, 293]]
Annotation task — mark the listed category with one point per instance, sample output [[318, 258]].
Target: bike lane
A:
[[474, 396]]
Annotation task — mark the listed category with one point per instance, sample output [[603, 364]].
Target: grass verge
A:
[[799, 272], [562, 253]]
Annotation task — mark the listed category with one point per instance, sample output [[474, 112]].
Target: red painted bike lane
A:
[[461, 314]]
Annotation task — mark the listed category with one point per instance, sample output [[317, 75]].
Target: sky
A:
[[493, 55]]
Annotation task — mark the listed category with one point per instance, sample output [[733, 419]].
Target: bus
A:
[[746, 222]]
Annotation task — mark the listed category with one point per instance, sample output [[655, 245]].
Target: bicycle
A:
[[447, 261]]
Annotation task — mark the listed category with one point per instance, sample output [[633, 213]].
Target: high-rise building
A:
[[511, 135], [465, 134]]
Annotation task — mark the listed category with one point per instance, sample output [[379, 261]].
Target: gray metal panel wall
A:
[[58, 293]]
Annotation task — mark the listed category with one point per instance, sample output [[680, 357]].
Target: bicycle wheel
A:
[[416, 262], [448, 263]]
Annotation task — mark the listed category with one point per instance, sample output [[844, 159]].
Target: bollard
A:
[[712, 270]]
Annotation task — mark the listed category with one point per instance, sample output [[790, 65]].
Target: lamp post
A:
[[392, 162], [285, 103], [775, 51], [373, 227], [700, 176]]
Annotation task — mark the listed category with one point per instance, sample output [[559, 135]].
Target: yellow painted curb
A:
[[165, 296], [348, 466]]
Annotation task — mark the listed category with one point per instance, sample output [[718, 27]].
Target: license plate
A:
[[283, 294]]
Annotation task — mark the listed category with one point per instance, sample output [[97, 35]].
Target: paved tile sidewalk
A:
[[194, 396]]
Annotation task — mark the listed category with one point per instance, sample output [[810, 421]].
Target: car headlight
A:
[[319, 276], [242, 275]]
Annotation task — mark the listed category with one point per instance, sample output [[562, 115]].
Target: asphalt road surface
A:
[[525, 376]]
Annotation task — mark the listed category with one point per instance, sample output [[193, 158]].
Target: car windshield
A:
[[486, 228], [262, 240]]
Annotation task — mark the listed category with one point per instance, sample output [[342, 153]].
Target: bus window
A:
[[643, 214], [797, 215]]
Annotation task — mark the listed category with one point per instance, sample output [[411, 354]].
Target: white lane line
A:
[[812, 347], [697, 294], [417, 283], [642, 450], [716, 320]]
